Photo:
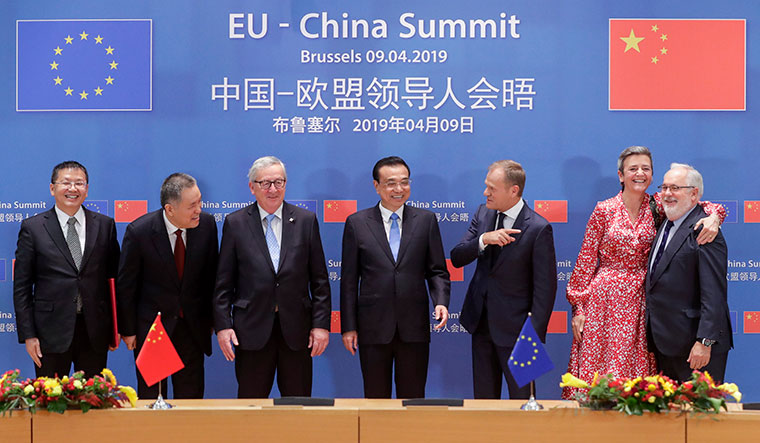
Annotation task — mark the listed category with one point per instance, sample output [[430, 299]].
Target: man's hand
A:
[[578, 322], [113, 348], [499, 237], [699, 356], [351, 341], [225, 336], [442, 314], [34, 351], [710, 227], [318, 340], [130, 341]]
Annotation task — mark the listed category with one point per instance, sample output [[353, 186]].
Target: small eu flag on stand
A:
[[529, 359]]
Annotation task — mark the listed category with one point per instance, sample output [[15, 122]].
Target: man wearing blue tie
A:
[[389, 252]]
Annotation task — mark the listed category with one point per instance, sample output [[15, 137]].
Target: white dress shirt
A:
[[171, 229], [385, 213], [63, 220], [276, 223]]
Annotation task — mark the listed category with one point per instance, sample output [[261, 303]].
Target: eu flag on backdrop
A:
[[99, 206], [84, 65], [309, 205], [732, 210], [529, 359]]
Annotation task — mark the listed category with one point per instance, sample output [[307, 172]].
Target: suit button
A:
[[277, 285]]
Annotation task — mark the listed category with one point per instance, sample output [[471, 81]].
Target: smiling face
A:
[[69, 189], [677, 203], [394, 188], [637, 173], [185, 213], [269, 199]]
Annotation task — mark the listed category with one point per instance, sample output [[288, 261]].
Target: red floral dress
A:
[[607, 286]]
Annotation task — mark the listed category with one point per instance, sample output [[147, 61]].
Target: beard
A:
[[677, 210]]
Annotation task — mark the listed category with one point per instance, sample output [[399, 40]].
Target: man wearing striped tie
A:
[[389, 252], [61, 294], [272, 295]]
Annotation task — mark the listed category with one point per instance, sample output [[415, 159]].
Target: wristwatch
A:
[[706, 341]]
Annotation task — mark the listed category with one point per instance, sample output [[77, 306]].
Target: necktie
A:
[[72, 240], [496, 251], [179, 253], [274, 247], [663, 242], [394, 237]]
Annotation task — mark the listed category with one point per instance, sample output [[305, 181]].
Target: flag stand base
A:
[[160, 403], [532, 405]]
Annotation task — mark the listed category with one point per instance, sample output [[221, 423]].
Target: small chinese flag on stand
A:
[[158, 359]]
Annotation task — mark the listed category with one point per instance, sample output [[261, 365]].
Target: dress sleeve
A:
[[586, 264], [709, 208]]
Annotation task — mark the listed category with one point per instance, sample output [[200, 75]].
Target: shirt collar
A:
[[263, 214], [514, 211], [385, 213], [170, 228], [63, 218]]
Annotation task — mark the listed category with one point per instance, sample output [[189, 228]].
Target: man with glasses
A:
[[272, 295], [389, 252], [168, 265], [688, 323], [61, 294]]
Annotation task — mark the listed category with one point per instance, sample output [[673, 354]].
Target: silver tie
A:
[[72, 239]]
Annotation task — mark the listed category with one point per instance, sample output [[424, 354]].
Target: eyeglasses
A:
[[266, 184], [402, 183], [673, 188], [67, 185]]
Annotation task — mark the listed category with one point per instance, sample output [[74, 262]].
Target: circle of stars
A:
[[69, 40]]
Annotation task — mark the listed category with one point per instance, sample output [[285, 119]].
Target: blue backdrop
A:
[[329, 104]]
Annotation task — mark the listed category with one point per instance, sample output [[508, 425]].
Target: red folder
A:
[[115, 337]]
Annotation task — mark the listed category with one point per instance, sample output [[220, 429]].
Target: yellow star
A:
[[664, 51], [632, 41], [329, 206], [109, 81], [654, 28], [159, 338], [98, 40], [113, 64], [68, 91], [83, 95], [58, 80], [58, 50], [664, 37], [109, 50], [83, 35], [69, 39], [54, 65], [655, 60], [153, 326], [98, 91]]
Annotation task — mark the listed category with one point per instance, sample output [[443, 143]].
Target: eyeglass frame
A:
[[67, 185], [673, 188], [266, 184]]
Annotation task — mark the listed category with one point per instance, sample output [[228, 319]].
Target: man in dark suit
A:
[[272, 296], [516, 273], [61, 293], [389, 252], [168, 265], [688, 323]]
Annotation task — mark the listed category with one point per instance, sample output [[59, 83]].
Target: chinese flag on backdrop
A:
[[659, 64], [157, 359], [335, 322], [752, 322], [336, 211], [455, 274], [554, 211], [751, 211], [126, 211], [557, 323]]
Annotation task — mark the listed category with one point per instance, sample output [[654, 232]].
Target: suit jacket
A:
[[148, 281], [523, 279], [46, 281], [686, 295], [248, 289], [378, 294]]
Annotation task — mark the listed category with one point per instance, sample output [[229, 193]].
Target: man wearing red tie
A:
[[168, 265]]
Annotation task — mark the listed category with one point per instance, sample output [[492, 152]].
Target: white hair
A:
[[265, 162], [693, 177]]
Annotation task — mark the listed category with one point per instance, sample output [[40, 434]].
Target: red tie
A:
[[179, 254]]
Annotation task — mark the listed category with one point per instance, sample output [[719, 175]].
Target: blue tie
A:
[[395, 236], [274, 247], [661, 249]]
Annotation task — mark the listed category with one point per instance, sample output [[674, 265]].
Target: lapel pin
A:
[[291, 219]]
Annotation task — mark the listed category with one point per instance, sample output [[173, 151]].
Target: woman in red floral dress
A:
[[606, 289]]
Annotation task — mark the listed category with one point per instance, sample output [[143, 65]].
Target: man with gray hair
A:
[[688, 324], [272, 296], [168, 265]]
